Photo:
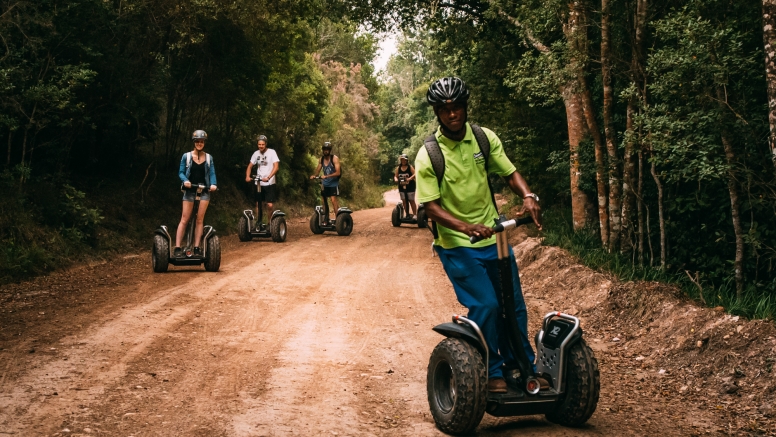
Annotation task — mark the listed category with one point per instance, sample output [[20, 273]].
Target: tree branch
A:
[[538, 45]]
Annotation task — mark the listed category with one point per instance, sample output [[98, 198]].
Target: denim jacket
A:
[[185, 169]]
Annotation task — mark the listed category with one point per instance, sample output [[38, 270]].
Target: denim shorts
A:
[[190, 195]]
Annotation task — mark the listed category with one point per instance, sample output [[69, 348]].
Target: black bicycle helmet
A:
[[199, 135], [447, 90], [327, 145]]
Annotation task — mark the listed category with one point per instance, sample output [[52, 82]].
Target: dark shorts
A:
[[330, 191], [407, 195], [269, 194]]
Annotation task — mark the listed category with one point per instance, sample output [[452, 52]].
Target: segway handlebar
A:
[[193, 187], [504, 226]]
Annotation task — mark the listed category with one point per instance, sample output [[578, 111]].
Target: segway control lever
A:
[[503, 226]]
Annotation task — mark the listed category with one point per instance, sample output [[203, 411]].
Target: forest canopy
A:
[[647, 128]]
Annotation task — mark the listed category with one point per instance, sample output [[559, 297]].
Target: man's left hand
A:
[[531, 206]]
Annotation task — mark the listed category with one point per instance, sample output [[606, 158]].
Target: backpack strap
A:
[[436, 156], [484, 143]]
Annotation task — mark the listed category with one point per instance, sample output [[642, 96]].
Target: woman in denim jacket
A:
[[196, 168]]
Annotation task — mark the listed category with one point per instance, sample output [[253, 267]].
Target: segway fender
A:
[[559, 332], [162, 230], [278, 213], [248, 213], [344, 211], [464, 332], [207, 233]]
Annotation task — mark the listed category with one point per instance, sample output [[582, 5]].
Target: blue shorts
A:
[[190, 195]]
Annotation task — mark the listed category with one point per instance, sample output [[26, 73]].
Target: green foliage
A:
[[704, 78], [99, 102]]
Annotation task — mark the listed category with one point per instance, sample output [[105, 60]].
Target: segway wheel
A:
[[243, 231], [422, 218], [457, 386], [278, 229], [583, 383], [344, 224], [160, 254], [213, 254], [314, 225], [396, 216]]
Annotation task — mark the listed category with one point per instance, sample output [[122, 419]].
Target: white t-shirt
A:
[[264, 163]]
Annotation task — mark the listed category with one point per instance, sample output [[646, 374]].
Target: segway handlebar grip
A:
[[501, 227]]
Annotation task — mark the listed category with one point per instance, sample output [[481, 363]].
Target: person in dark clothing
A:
[[405, 176]]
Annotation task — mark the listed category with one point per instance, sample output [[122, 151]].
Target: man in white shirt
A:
[[267, 163]]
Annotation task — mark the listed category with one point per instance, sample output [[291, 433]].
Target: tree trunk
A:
[[660, 217], [769, 38], [637, 78], [8, 153], [580, 203], [628, 181], [575, 31], [735, 203], [600, 157], [640, 207], [615, 188], [735, 210]]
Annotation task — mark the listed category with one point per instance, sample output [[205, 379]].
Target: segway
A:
[[162, 252], [277, 230], [457, 376], [319, 222], [399, 216]]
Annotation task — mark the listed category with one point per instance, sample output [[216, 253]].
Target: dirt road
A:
[[321, 335]]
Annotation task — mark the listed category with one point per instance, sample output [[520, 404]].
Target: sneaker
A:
[[177, 252], [197, 251], [497, 385]]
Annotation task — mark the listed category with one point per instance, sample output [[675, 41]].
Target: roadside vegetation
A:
[[98, 100], [643, 126]]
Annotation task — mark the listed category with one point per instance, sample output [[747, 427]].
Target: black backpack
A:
[[438, 162]]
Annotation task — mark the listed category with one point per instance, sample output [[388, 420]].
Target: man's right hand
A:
[[312, 177], [481, 231], [187, 184], [248, 179]]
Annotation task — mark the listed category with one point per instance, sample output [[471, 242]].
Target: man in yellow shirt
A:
[[460, 203]]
